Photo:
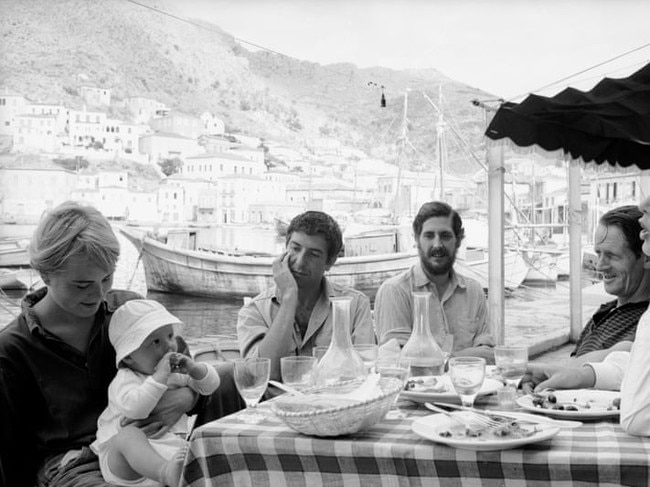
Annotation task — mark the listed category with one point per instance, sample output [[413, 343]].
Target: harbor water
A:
[[532, 315]]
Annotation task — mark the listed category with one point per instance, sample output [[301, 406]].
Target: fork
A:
[[470, 418]]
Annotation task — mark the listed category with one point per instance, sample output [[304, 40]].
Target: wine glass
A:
[[251, 379], [368, 352], [398, 368], [511, 363], [297, 371], [467, 375]]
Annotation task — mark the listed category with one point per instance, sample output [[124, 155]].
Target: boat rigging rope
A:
[[135, 268]]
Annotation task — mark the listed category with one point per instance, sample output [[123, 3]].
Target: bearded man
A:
[[457, 304]]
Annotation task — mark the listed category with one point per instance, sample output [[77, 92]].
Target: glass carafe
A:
[[421, 349], [341, 362]]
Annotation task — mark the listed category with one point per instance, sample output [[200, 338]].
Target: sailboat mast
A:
[[396, 204], [440, 127]]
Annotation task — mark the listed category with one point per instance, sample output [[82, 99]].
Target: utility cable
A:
[[585, 70]]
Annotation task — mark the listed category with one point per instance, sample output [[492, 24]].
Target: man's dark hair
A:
[[438, 208], [319, 223], [626, 218]]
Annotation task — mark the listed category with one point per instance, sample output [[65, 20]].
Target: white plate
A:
[[598, 401], [430, 427], [490, 386]]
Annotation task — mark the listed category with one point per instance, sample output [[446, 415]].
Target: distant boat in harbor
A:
[[13, 251]]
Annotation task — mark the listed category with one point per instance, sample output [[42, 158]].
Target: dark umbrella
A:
[[608, 124]]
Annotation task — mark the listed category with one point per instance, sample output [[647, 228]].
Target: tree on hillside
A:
[[72, 163], [170, 166]]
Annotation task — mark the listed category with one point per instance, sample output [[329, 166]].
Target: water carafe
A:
[[341, 362], [421, 348]]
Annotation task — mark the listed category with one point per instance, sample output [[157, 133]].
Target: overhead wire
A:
[[582, 71]]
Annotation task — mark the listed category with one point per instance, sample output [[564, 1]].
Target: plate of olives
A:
[[580, 404]]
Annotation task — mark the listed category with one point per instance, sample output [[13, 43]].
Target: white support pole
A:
[[496, 291], [575, 250]]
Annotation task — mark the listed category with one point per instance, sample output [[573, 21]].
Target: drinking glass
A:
[[297, 371], [467, 375], [398, 368], [368, 352], [319, 351], [511, 363], [251, 379]]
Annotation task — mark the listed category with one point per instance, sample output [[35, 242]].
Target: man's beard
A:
[[437, 269]]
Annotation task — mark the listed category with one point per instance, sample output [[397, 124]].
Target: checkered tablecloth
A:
[[230, 453]]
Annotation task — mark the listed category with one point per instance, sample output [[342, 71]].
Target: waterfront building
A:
[[106, 190], [186, 204], [239, 193], [28, 189]]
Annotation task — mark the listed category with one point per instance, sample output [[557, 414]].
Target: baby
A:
[[142, 333]]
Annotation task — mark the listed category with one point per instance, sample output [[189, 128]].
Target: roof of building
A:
[[218, 155]]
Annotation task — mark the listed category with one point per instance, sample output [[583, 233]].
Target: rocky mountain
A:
[[50, 49]]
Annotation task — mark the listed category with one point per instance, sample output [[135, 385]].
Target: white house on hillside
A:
[[143, 109], [86, 126], [95, 96], [213, 166], [163, 145], [212, 125], [35, 133], [179, 123], [11, 104]]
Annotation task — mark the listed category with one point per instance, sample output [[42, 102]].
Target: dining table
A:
[[231, 452]]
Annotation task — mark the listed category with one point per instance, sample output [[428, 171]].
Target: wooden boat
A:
[[171, 269], [13, 251]]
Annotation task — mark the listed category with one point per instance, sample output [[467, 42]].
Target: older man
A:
[[457, 303], [625, 274], [627, 371], [293, 316]]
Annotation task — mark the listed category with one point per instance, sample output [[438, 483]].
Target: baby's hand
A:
[[163, 368], [180, 363]]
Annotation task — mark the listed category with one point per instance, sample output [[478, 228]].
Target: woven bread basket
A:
[[344, 419]]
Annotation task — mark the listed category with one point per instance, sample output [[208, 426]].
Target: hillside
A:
[[50, 49]]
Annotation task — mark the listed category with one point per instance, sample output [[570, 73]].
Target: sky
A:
[[508, 48]]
